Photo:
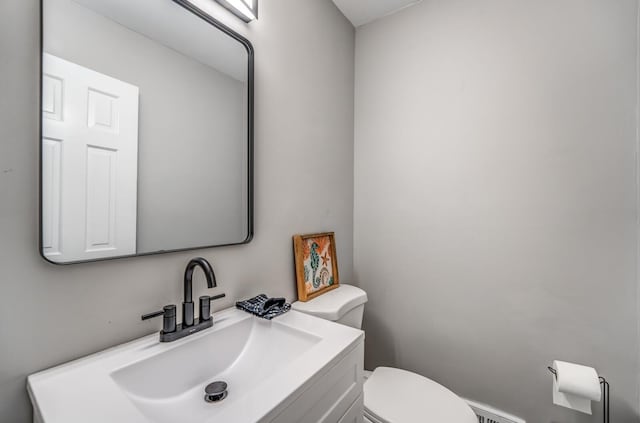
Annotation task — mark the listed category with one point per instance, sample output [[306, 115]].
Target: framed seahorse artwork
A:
[[316, 264]]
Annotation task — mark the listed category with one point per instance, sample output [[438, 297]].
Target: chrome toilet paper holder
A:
[[605, 394]]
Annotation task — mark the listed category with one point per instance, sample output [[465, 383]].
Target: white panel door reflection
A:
[[89, 163]]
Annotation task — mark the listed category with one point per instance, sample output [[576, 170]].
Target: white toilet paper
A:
[[575, 386]]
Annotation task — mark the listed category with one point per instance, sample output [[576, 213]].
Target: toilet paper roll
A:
[[575, 386]]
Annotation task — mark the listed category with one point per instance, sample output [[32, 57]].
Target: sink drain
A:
[[216, 391]]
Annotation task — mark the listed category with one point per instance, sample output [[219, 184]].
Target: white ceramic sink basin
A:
[[266, 364]]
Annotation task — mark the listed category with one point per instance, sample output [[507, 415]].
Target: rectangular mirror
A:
[[146, 130]]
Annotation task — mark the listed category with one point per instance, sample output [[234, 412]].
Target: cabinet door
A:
[[355, 414]]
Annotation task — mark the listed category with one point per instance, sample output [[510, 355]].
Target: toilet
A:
[[390, 395]]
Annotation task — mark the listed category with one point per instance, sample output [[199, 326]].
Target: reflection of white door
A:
[[89, 163]]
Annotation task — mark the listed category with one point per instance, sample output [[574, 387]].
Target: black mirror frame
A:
[[250, 135]]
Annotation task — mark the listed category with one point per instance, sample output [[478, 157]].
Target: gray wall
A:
[[191, 128], [304, 109], [495, 196]]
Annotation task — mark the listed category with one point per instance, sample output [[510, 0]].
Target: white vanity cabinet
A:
[[295, 368]]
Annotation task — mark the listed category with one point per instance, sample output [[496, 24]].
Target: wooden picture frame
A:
[[316, 264]]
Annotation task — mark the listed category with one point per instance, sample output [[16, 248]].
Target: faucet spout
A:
[[188, 276], [187, 305]]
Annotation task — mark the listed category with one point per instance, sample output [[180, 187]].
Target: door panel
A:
[[51, 170]]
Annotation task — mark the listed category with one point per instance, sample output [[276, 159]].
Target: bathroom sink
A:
[[266, 365]]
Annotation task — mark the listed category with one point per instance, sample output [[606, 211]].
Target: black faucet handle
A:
[[169, 321], [152, 315], [205, 306], [217, 297]]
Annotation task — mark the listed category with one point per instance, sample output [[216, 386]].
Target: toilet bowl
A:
[[390, 395]]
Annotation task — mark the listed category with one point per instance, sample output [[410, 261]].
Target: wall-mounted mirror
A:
[[146, 130]]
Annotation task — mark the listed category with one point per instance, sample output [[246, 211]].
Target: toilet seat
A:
[[399, 396]]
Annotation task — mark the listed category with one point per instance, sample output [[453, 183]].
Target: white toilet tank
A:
[[344, 305]]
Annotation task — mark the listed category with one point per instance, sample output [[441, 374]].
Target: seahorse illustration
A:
[[315, 262]]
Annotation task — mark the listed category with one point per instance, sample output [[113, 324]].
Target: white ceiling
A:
[[360, 12], [178, 29]]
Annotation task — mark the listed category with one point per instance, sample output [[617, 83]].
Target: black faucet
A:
[[172, 331], [187, 304]]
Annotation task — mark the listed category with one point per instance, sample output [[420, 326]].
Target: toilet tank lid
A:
[[333, 304]]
